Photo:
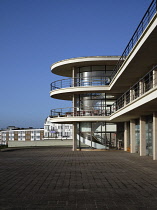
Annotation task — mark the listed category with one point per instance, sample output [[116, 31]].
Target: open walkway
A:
[[57, 178]]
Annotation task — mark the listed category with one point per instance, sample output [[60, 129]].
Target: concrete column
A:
[[74, 123], [124, 99], [142, 136], [74, 104], [154, 78], [155, 136], [74, 74], [132, 136], [131, 95], [125, 136], [140, 88], [74, 136]]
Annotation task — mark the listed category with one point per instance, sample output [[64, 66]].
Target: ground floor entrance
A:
[[96, 135]]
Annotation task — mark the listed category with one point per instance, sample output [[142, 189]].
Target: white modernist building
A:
[[57, 131], [114, 99]]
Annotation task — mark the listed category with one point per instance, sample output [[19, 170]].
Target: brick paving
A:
[[57, 178]]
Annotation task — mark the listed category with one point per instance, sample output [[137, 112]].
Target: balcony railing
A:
[[152, 9], [77, 82], [145, 84], [75, 111]]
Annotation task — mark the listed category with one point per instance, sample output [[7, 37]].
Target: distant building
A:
[[54, 130], [12, 127], [21, 135], [51, 131]]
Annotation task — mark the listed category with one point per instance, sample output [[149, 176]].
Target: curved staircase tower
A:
[[87, 86]]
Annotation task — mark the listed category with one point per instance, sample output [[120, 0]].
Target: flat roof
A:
[[64, 67]]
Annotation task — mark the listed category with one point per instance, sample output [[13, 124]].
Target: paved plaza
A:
[[58, 178]]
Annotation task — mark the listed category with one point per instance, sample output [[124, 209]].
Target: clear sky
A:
[[36, 33]]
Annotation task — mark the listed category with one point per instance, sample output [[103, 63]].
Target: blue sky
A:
[[36, 33]]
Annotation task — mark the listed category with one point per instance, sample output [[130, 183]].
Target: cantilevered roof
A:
[[64, 67]]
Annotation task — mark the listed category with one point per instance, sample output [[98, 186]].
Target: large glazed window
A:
[[149, 135], [137, 136], [102, 73], [86, 76], [95, 103], [101, 133]]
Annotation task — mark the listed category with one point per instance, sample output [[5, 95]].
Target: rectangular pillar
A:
[[132, 136], [74, 79], [141, 85], [155, 136], [124, 99], [125, 136], [131, 95], [154, 78], [74, 136], [74, 105], [142, 136]]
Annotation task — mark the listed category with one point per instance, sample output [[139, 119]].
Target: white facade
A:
[[57, 131]]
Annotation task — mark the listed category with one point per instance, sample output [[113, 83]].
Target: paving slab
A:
[[58, 178]]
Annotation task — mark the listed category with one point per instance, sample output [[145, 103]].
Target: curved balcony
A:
[[75, 111], [80, 82]]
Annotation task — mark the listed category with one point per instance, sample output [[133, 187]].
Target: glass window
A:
[[96, 68], [84, 69], [110, 67], [85, 126], [108, 73], [46, 127]]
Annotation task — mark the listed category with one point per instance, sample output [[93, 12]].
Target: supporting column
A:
[[125, 136], [74, 105], [74, 124], [131, 95], [155, 136], [124, 99], [132, 136], [74, 136], [74, 73], [154, 77], [142, 136], [141, 88]]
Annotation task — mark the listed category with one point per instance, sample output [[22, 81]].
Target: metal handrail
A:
[[137, 90], [152, 9], [82, 81], [75, 111], [145, 84]]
